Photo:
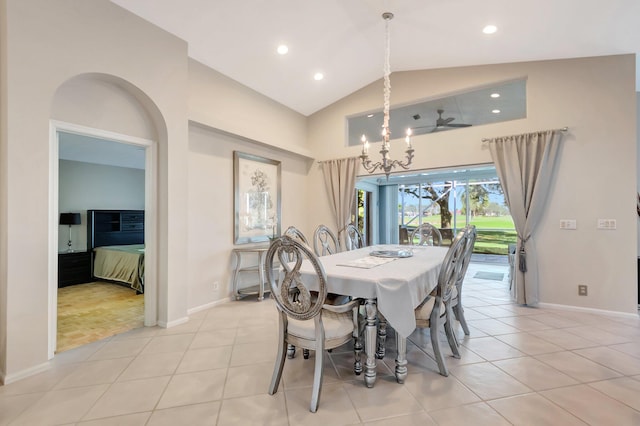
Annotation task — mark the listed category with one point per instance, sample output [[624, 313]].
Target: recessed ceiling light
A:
[[495, 95], [283, 49], [369, 115], [490, 29], [495, 111], [318, 76]]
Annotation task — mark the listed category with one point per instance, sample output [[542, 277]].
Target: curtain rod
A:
[[563, 129], [332, 159]]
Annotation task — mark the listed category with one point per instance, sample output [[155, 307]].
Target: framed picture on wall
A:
[[256, 182]]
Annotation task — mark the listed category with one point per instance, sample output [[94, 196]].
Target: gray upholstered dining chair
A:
[[425, 235], [332, 298], [436, 309], [456, 299], [325, 241], [353, 238], [306, 321]]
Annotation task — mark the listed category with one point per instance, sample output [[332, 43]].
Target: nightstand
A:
[[74, 268]]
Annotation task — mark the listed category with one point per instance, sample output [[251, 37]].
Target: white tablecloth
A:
[[399, 286]]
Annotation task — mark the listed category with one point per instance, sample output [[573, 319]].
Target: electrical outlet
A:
[[568, 224], [216, 285], [582, 290]]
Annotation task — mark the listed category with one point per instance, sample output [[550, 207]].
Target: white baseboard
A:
[[173, 323], [10, 378], [208, 305], [589, 310]]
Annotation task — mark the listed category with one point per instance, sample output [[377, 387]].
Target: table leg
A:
[[261, 275], [236, 272], [401, 358], [370, 343]]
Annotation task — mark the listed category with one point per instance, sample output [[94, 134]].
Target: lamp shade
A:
[[69, 218]]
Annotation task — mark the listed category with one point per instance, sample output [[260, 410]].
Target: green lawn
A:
[[495, 233]]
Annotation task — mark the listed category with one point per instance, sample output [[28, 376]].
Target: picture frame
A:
[[256, 182]]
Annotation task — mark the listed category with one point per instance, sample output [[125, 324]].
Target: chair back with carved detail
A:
[[296, 234], [458, 310], [353, 238], [426, 235], [325, 241], [291, 294]]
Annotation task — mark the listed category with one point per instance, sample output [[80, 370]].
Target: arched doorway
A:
[[105, 107]]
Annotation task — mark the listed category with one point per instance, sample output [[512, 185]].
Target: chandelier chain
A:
[[387, 164], [387, 79]]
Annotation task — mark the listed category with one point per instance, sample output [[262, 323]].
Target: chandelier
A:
[[387, 164]]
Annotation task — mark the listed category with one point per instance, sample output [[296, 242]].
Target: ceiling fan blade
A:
[[421, 130], [458, 125]]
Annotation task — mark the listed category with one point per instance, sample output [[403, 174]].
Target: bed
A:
[[124, 264], [116, 240]]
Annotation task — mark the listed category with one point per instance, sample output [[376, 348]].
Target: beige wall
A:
[[47, 44], [226, 116], [211, 207], [596, 99], [4, 186], [218, 102]]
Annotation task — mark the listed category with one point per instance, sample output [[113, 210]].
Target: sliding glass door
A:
[[450, 199]]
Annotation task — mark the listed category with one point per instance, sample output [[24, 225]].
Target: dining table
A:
[[392, 280]]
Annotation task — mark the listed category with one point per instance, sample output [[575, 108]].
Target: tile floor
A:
[[519, 366]]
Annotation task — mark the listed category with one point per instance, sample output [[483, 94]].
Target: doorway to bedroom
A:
[[101, 253]]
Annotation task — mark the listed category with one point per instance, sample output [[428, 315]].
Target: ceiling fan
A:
[[441, 124]]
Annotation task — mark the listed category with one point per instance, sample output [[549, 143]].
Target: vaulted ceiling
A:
[[344, 39]]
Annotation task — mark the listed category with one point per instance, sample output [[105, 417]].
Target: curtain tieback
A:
[[522, 255]]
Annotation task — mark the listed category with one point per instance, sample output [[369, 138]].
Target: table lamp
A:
[[69, 219]]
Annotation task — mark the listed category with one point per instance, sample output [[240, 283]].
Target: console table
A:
[[261, 287]]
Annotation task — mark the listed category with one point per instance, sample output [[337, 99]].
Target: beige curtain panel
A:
[[525, 165], [340, 181]]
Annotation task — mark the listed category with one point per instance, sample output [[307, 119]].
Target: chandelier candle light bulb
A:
[[387, 164]]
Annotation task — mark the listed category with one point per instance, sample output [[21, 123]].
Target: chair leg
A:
[[382, 337], [317, 376], [291, 351], [459, 311], [280, 357], [451, 337], [357, 352], [435, 342]]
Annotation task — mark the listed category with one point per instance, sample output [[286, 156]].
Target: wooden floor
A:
[[93, 311]]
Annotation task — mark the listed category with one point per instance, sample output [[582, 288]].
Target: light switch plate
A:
[[568, 224], [607, 224]]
